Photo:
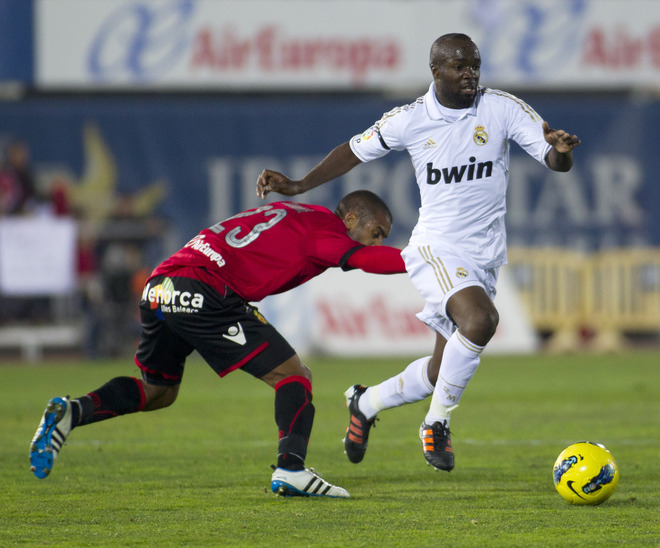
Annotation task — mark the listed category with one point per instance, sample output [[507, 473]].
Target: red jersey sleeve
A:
[[328, 243], [379, 259]]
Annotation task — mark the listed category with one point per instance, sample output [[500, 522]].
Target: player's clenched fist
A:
[[272, 181]]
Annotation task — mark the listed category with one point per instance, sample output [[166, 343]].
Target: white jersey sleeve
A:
[[383, 136], [525, 126]]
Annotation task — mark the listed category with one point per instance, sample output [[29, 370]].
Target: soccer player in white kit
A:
[[458, 137]]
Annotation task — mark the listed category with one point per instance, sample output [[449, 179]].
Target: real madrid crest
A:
[[480, 136], [461, 272]]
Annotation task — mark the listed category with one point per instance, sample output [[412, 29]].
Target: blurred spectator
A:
[[17, 197], [59, 199], [90, 290], [17, 190]]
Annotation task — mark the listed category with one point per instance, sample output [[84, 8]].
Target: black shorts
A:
[[180, 315]]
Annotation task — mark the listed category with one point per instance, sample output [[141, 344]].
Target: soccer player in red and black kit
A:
[[199, 299]]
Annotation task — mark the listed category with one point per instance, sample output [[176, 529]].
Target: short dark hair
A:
[[363, 202]]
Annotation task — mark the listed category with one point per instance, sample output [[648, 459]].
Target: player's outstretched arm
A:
[[560, 156], [340, 161], [377, 259]]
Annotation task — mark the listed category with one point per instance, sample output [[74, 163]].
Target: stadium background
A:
[[148, 120]]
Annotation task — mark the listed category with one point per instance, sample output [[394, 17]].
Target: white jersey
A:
[[462, 167]]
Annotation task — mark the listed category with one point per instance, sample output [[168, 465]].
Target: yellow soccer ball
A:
[[585, 473]]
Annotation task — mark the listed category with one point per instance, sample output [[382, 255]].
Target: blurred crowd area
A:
[[107, 96], [113, 258]]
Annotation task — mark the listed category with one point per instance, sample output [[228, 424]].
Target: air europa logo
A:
[[273, 49], [141, 41], [150, 41], [199, 244], [456, 174]]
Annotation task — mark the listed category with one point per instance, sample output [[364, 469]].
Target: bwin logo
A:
[[456, 173]]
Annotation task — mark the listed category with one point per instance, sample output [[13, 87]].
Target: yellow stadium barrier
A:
[[610, 293], [623, 294], [551, 282]]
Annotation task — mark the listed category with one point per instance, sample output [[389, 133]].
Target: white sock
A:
[[459, 364], [411, 385]]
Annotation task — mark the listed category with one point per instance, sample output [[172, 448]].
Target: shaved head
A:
[[364, 203], [366, 216], [444, 46]]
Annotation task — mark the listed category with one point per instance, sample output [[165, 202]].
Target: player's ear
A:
[[350, 220]]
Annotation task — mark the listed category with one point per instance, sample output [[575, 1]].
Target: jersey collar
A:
[[433, 110]]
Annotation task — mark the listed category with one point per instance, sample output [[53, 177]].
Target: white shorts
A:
[[437, 274]]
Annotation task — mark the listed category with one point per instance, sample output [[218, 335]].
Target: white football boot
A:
[[303, 483], [54, 428]]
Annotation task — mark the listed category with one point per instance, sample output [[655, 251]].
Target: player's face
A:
[[372, 230], [456, 73]]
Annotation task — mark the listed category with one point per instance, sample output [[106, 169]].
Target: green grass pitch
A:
[[197, 473]]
